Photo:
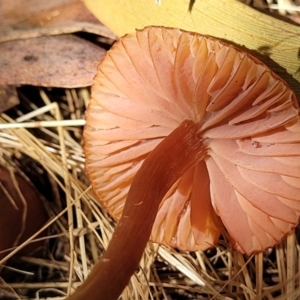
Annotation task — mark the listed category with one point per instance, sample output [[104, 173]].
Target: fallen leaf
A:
[[26, 19], [54, 61], [228, 20]]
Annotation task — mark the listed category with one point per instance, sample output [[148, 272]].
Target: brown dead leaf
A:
[[54, 61], [8, 98], [33, 18]]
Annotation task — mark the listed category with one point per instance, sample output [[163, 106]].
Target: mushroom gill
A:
[[150, 87]]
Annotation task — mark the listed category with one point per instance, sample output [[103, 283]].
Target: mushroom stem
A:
[[178, 152]]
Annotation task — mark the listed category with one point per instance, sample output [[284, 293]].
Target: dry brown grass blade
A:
[[65, 169]]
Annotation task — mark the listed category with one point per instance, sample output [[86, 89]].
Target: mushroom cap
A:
[[22, 213], [249, 179]]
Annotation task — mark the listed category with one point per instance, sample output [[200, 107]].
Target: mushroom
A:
[[196, 135], [22, 213]]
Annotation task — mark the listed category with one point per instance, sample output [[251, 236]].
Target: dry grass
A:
[[286, 9], [80, 229]]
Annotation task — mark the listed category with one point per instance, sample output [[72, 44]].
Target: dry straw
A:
[[219, 273]]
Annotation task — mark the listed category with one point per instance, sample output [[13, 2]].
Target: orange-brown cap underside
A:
[[151, 81]]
